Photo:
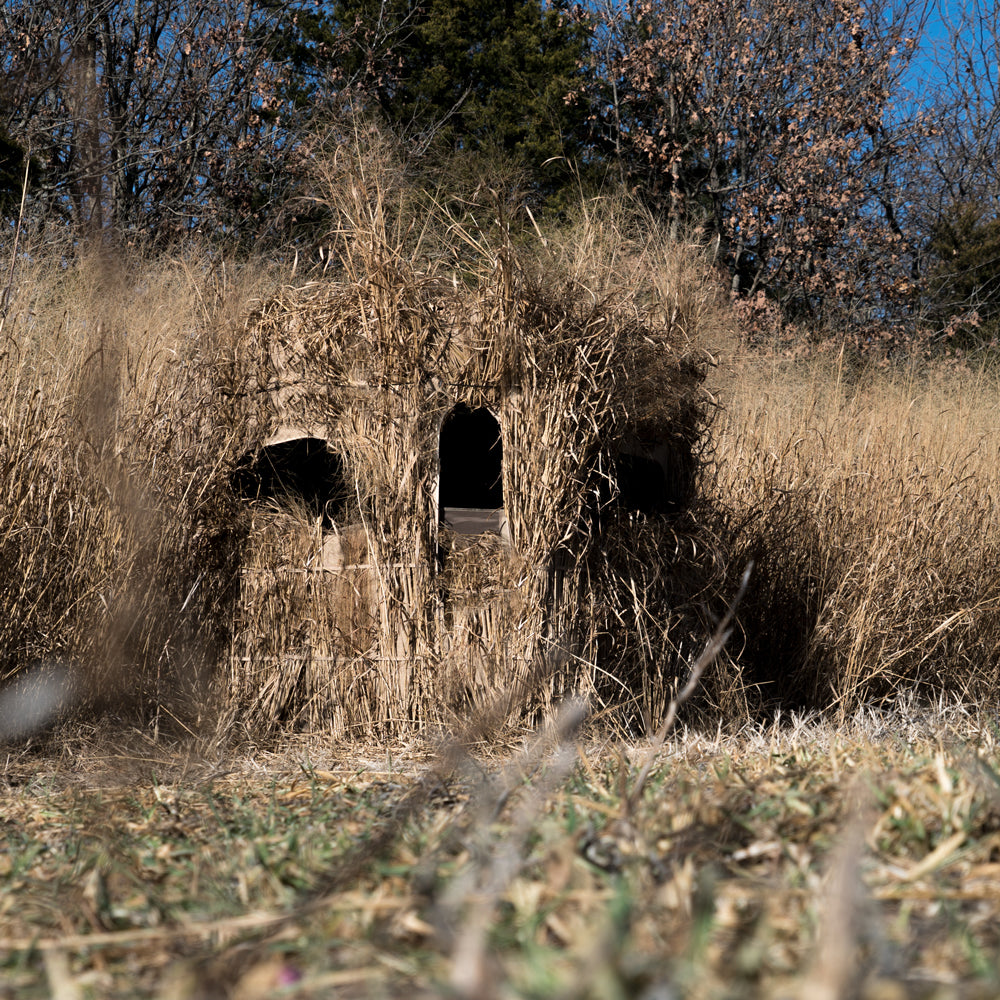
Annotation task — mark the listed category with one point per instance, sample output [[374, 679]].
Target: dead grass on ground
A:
[[790, 859]]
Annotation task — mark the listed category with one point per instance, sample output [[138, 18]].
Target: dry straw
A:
[[116, 526], [417, 625], [132, 387], [868, 501]]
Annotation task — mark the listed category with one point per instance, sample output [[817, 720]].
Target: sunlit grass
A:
[[149, 850], [747, 858], [868, 504]]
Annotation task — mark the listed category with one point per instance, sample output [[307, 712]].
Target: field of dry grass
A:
[[117, 526], [867, 501], [822, 821]]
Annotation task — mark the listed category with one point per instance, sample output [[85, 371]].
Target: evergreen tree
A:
[[964, 283], [469, 75], [11, 174]]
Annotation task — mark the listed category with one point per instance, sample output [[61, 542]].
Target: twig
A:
[[5, 301], [140, 935], [713, 647]]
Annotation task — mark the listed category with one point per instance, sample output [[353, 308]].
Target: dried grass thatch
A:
[[418, 624]]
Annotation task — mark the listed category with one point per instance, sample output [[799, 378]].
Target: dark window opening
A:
[[642, 485], [302, 471], [470, 488], [632, 483]]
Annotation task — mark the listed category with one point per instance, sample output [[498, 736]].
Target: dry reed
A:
[[869, 507]]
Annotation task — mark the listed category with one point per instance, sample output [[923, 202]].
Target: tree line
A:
[[839, 157]]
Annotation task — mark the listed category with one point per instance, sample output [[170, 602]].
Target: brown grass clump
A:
[[869, 508]]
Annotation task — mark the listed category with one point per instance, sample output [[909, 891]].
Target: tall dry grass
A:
[[868, 503], [131, 386], [117, 532]]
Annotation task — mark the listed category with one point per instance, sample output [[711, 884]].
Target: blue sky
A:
[[935, 34], [941, 13]]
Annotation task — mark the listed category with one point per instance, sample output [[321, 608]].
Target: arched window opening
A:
[[470, 488], [301, 471]]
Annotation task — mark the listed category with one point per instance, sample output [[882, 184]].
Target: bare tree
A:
[[951, 183], [769, 126], [156, 114], [962, 90]]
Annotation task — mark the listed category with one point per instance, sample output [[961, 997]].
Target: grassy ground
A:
[[793, 860]]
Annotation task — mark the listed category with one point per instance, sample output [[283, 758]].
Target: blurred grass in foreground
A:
[[788, 860]]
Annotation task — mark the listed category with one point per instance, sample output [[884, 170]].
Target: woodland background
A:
[[838, 158]]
